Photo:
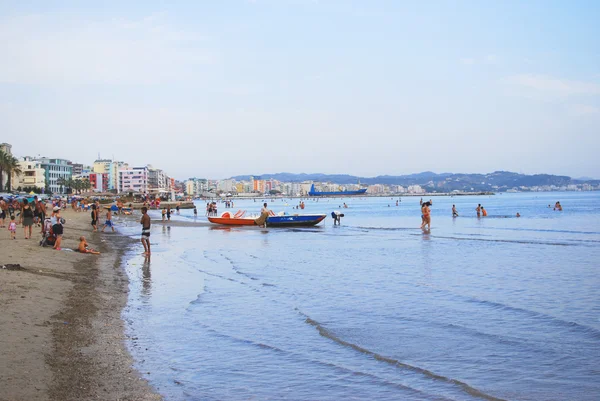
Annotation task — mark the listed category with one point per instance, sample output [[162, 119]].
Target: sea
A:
[[493, 308]]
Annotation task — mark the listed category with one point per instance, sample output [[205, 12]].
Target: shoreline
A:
[[61, 333]]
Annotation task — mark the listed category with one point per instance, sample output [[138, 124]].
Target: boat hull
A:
[[295, 221], [273, 221], [228, 221]]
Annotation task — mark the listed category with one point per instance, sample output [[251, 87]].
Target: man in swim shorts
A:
[[145, 222]]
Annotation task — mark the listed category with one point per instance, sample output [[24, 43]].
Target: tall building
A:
[[157, 180], [134, 179], [76, 169], [32, 174], [111, 168], [55, 169], [99, 181]]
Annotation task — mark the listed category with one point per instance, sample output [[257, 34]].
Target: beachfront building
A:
[[110, 167], [226, 185], [158, 181], [133, 179], [99, 181], [76, 169], [57, 173], [32, 175], [196, 186]]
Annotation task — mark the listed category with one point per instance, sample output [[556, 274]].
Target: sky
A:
[[214, 89]]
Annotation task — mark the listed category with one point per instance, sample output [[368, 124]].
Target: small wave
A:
[[394, 362], [527, 242], [387, 228], [538, 315], [301, 357], [544, 230]]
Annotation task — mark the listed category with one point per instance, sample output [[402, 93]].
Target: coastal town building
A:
[[99, 181], [76, 169], [110, 167], [158, 181], [32, 175], [57, 173], [134, 179]]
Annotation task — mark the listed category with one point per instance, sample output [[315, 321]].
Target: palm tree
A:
[[3, 162], [61, 182], [12, 167]]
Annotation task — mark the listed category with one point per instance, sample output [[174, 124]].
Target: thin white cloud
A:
[[555, 86], [583, 110], [65, 49]]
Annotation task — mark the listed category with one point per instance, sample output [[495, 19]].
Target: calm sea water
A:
[[374, 309]]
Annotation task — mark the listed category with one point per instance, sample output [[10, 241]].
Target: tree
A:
[[12, 167], [3, 163], [61, 182]]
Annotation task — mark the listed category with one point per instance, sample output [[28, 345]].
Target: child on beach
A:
[[83, 247], [164, 213], [12, 227], [108, 222]]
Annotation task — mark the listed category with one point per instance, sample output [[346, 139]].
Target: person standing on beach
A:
[[57, 227], [94, 215], [163, 213], [27, 218], [108, 222], [478, 210], [3, 211], [454, 211], [145, 222], [12, 227], [169, 214], [195, 212]]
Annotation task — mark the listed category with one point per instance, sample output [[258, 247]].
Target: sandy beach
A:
[[61, 333]]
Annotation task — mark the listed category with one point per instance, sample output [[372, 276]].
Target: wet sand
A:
[[61, 333]]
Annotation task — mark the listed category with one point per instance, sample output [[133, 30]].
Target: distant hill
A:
[[497, 181]]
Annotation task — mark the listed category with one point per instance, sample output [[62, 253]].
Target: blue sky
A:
[[220, 88]]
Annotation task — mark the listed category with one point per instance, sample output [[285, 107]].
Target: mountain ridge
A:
[[442, 182]]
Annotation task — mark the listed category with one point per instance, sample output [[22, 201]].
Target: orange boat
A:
[[230, 219]]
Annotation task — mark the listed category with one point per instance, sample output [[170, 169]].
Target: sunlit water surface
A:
[[492, 308]]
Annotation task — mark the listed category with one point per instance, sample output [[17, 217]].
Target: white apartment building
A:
[[134, 179], [33, 175], [158, 181], [55, 169]]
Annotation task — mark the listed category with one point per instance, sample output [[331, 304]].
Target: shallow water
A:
[[491, 308]]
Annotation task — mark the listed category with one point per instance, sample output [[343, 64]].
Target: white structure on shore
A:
[[134, 179], [32, 174]]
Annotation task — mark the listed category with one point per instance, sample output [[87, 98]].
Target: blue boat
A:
[[312, 192], [295, 220]]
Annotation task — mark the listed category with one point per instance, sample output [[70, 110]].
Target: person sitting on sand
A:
[[83, 247]]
